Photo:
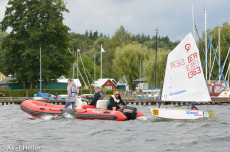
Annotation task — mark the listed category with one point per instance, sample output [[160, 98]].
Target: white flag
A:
[[102, 50]]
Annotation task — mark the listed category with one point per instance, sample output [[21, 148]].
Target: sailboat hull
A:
[[180, 113]]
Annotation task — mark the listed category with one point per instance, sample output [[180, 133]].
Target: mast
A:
[[206, 48], [228, 76], [219, 53], [94, 65], [210, 62], [156, 60], [101, 61], [77, 67], [193, 23], [140, 68], [40, 69]]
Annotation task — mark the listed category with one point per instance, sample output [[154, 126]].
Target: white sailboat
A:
[[184, 81]]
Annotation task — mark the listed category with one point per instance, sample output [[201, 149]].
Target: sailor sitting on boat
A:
[[97, 96], [115, 102], [193, 107]]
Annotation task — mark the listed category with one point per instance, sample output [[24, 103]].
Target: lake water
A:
[[20, 131]]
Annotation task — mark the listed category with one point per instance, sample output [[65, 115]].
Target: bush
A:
[[23, 92], [111, 91]]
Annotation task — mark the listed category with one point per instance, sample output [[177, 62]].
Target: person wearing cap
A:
[[97, 96], [72, 92], [115, 102], [193, 107]]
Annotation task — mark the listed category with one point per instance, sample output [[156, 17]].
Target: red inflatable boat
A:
[[40, 109]]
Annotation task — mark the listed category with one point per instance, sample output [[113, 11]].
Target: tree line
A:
[[39, 25]]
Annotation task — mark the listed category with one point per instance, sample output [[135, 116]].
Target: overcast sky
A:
[[173, 18]]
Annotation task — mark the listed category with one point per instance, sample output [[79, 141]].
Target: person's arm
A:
[[95, 98], [121, 101], [91, 97], [76, 90], [69, 90], [87, 96]]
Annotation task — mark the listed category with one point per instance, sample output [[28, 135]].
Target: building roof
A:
[[2, 75], [65, 80], [122, 82], [101, 82], [5, 81]]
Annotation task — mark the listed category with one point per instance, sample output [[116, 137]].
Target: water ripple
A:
[[68, 134]]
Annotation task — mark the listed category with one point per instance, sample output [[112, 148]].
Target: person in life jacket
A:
[[115, 102], [193, 107], [97, 96], [72, 93]]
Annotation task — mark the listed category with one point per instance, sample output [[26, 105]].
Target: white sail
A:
[[184, 79]]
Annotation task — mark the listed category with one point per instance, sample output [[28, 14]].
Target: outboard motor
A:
[[130, 112]]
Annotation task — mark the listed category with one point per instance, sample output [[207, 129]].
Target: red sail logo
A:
[[187, 47]]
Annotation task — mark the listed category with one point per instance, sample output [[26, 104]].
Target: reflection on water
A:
[[53, 133]]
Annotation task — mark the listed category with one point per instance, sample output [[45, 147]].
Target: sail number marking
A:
[[155, 112], [177, 63], [193, 66]]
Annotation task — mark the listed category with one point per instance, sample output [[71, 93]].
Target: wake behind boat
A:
[[184, 81]]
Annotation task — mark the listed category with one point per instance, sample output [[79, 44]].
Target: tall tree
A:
[[36, 24], [127, 61], [120, 38], [2, 67], [149, 66]]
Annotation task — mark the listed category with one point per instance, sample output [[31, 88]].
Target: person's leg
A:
[[73, 105], [66, 104]]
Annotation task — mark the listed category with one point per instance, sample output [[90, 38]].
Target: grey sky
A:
[[173, 18]]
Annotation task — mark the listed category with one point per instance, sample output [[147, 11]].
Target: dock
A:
[[11, 100]]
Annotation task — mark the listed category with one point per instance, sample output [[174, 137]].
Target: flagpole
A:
[[74, 63], [101, 62]]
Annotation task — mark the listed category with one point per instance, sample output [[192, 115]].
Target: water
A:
[[19, 129]]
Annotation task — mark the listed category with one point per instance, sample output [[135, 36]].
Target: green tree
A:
[[36, 24], [2, 67], [80, 41], [127, 61], [149, 66], [120, 38]]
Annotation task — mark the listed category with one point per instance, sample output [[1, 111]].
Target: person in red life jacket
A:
[[115, 102], [193, 107], [97, 96], [72, 93]]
